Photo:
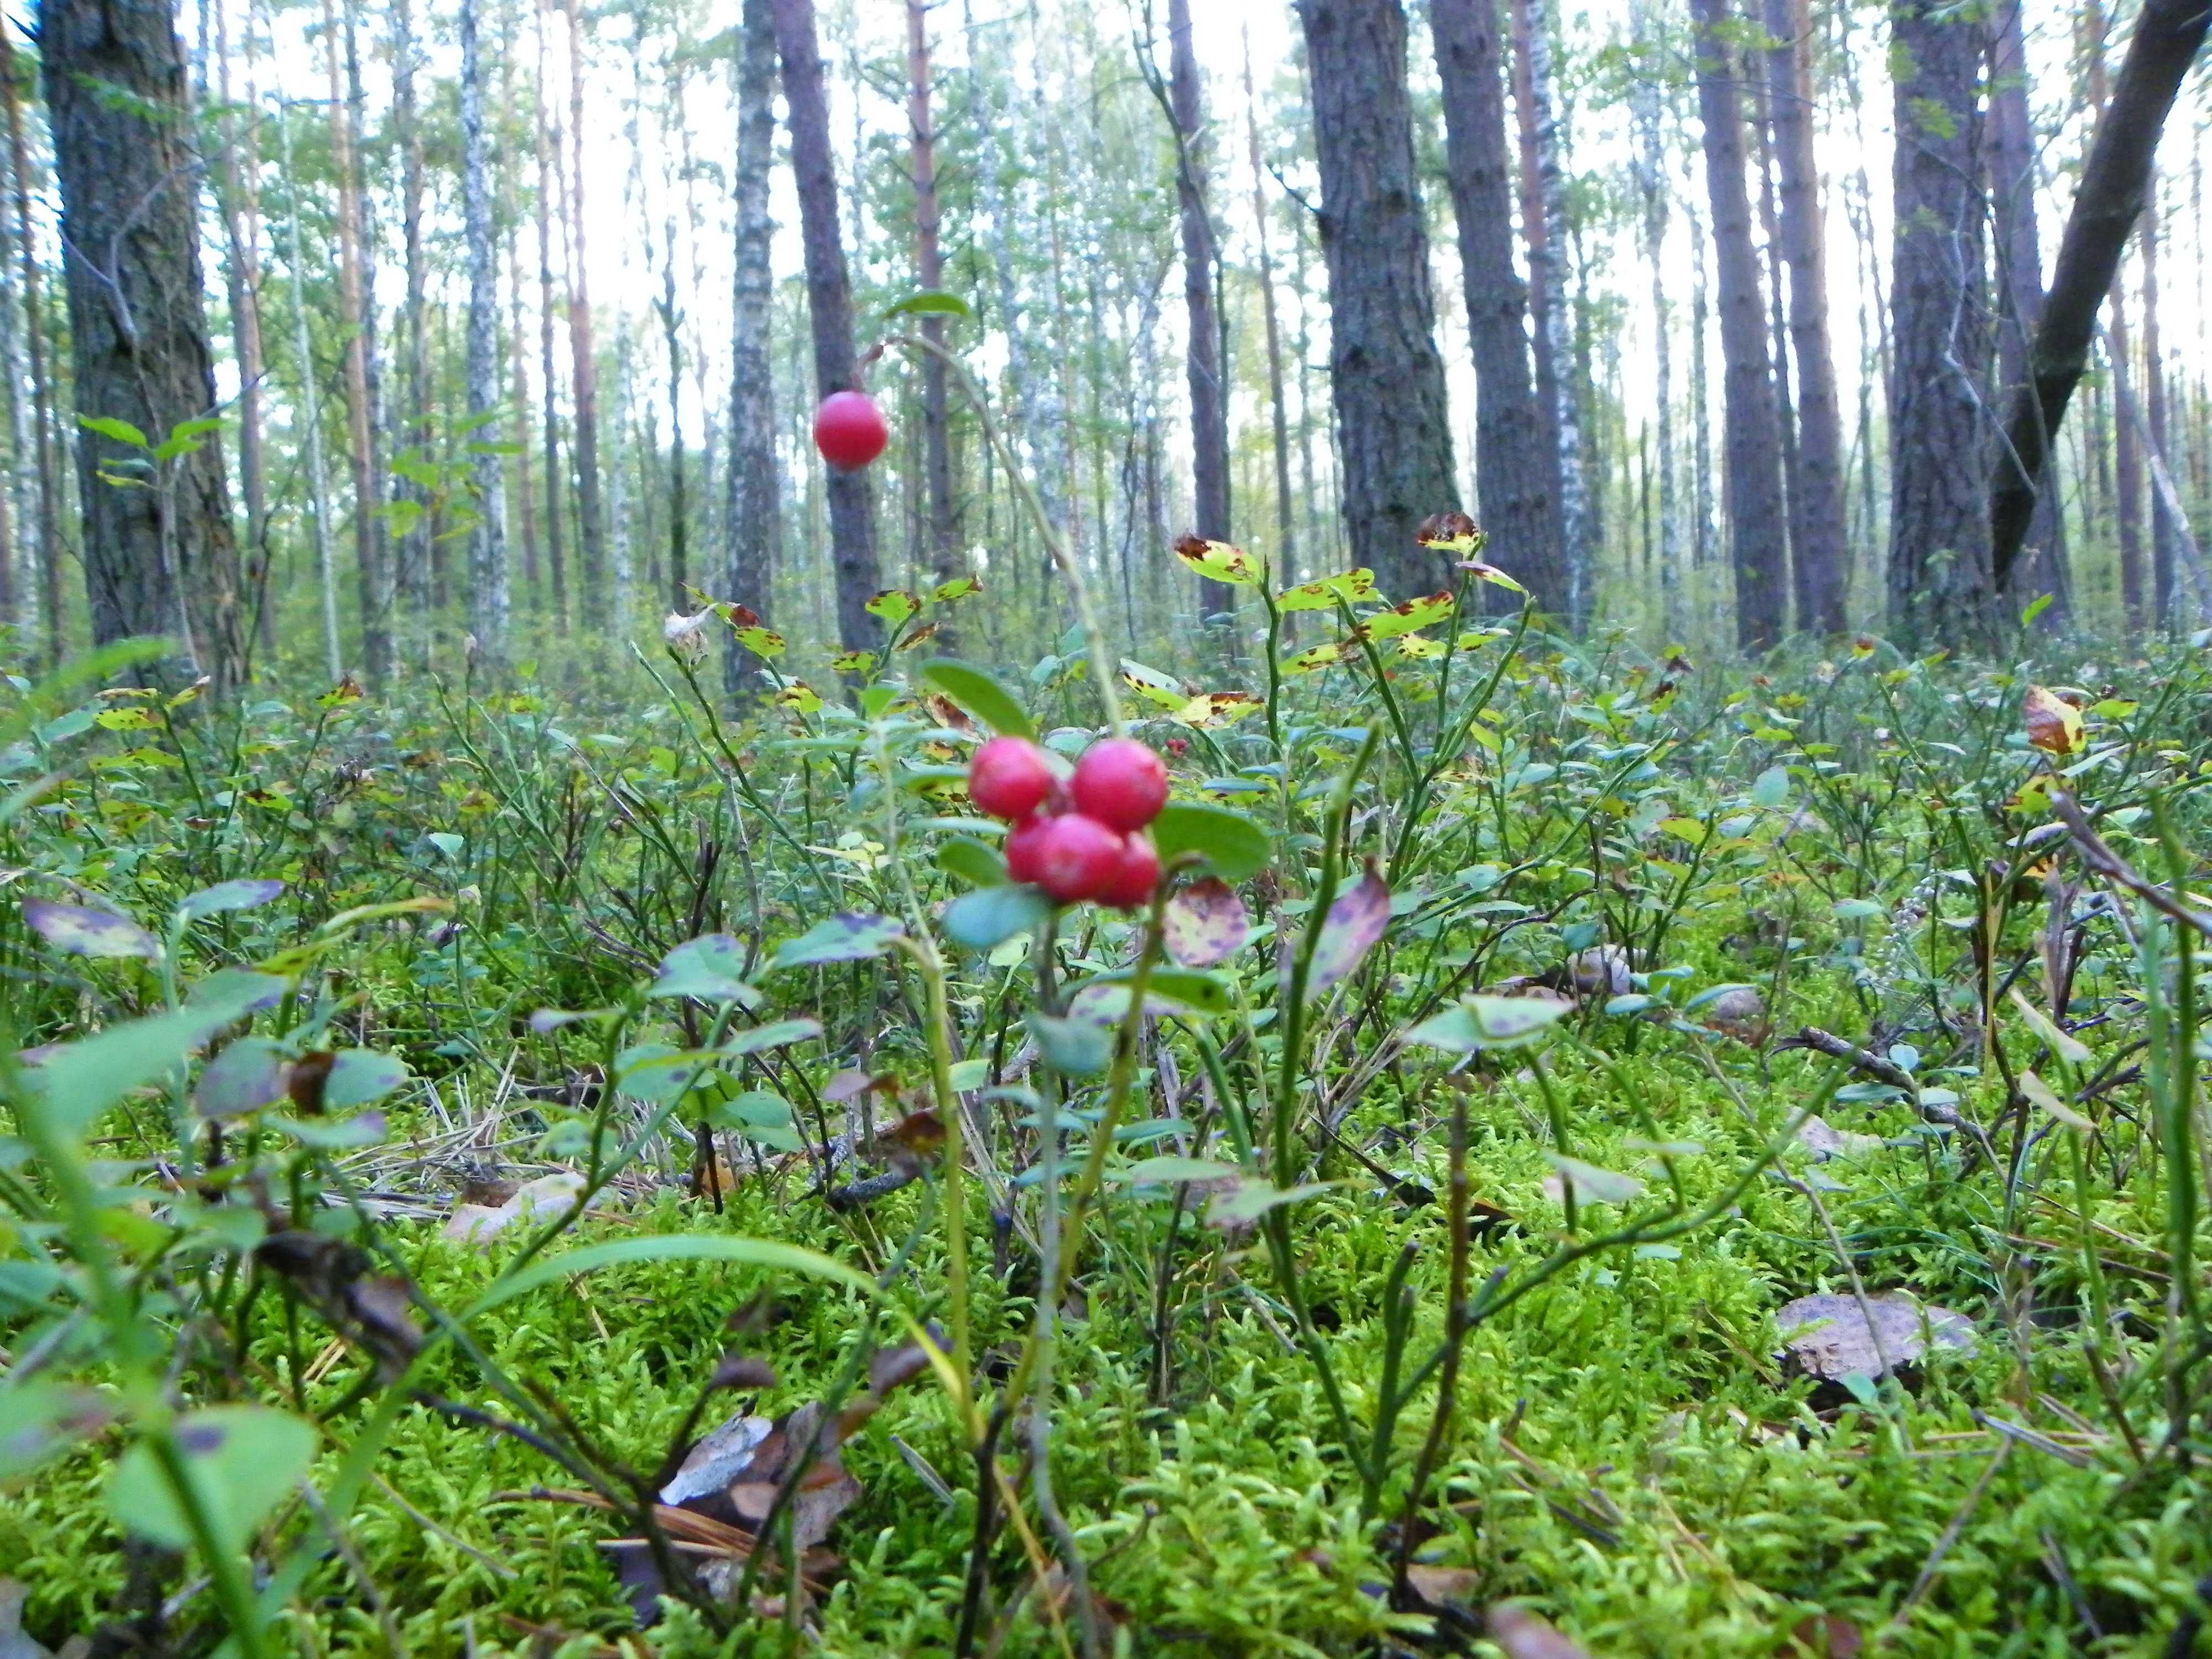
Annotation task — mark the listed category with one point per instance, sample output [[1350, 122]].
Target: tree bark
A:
[[1777, 327], [2114, 183], [830, 302], [752, 483], [488, 596], [1530, 196], [941, 533], [1286, 531], [1209, 400], [1817, 538], [418, 551], [2163, 538], [307, 418], [1940, 577], [242, 285], [1513, 473], [1651, 166], [2019, 274], [24, 240], [1384, 369], [161, 559], [592, 550], [1757, 535], [549, 381]]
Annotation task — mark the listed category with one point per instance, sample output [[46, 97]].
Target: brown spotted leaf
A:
[[1218, 561], [1355, 921], [1205, 923], [2054, 725]]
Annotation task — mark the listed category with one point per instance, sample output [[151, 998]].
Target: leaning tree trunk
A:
[[488, 600], [1391, 421], [1756, 530], [2163, 530], [2019, 274], [1511, 469], [941, 532], [1822, 561], [1209, 396], [829, 302], [1577, 528], [2114, 183], [1940, 582], [752, 483], [160, 552]]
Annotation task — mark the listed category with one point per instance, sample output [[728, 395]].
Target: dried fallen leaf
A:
[[538, 1200], [1824, 1140], [1434, 1586], [1205, 923], [2054, 725], [1827, 1636], [1524, 1635], [1828, 1336]]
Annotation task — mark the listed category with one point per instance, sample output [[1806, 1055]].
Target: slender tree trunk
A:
[[487, 599], [1701, 423], [1817, 539], [1547, 255], [549, 378], [418, 549], [21, 609], [1209, 399], [829, 294], [1286, 531], [242, 283], [2163, 529], [1513, 470], [308, 419], [518, 371], [2114, 183], [752, 483], [1651, 166], [679, 520], [1778, 329], [941, 539], [1756, 530], [592, 556], [1940, 582], [42, 396], [160, 550], [2019, 270], [1531, 198], [1387, 375], [368, 552]]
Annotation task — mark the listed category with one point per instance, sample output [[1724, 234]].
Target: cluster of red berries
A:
[[1083, 840]]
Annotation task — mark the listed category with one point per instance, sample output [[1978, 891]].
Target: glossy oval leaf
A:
[[848, 936], [229, 896], [989, 916], [975, 691], [1235, 846]]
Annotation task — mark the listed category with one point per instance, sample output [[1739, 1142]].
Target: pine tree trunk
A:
[[753, 481], [2019, 297], [1209, 401], [829, 294], [1756, 530], [1650, 168], [42, 397], [1548, 291], [242, 284], [1384, 369], [941, 537], [1530, 198], [592, 551], [1511, 470], [549, 378], [1940, 580], [18, 563], [1701, 421], [161, 557], [308, 420], [368, 552], [488, 596], [1817, 538]]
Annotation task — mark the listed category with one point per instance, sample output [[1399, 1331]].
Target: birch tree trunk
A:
[[941, 537], [1650, 168], [42, 397], [307, 420], [1392, 418], [488, 596], [1940, 579], [418, 549], [242, 284], [753, 481], [1286, 532], [828, 293], [1513, 473], [549, 378], [591, 552], [1756, 528], [1209, 401], [2163, 570]]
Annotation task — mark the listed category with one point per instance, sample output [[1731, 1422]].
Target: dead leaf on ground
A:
[[1827, 1636], [1524, 1635], [537, 1201], [1824, 1140], [1434, 1586], [1740, 1013], [1828, 1336]]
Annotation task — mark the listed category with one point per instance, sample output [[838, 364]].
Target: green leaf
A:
[[1155, 1171], [1072, 1047], [710, 968], [246, 1075], [1252, 1197], [108, 427], [1235, 845], [1772, 788], [1169, 991], [1480, 1023], [1322, 595], [242, 1461], [360, 1077], [229, 896], [777, 1033], [1592, 1185], [977, 863], [83, 933], [893, 605], [40, 1420], [670, 1247], [975, 691], [990, 916], [848, 936], [930, 302], [83, 1079]]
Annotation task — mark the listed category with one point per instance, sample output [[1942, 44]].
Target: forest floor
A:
[[1791, 986]]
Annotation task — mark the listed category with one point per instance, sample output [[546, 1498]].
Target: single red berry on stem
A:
[[1009, 778], [849, 430], [1120, 783], [1135, 875], [1077, 857]]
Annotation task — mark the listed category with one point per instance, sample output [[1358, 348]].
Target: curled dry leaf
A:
[[1206, 923], [1828, 1336]]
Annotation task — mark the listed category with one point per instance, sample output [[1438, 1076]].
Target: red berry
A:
[[1009, 778], [1077, 858], [1022, 849], [1120, 783], [849, 430], [1135, 877]]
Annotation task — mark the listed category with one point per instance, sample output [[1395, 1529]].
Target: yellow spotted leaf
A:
[[128, 719], [894, 604], [761, 642], [1316, 658], [1420, 647], [1407, 618], [1150, 684], [2054, 725], [1218, 562], [853, 662], [959, 587], [1322, 595], [799, 697], [1217, 708]]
